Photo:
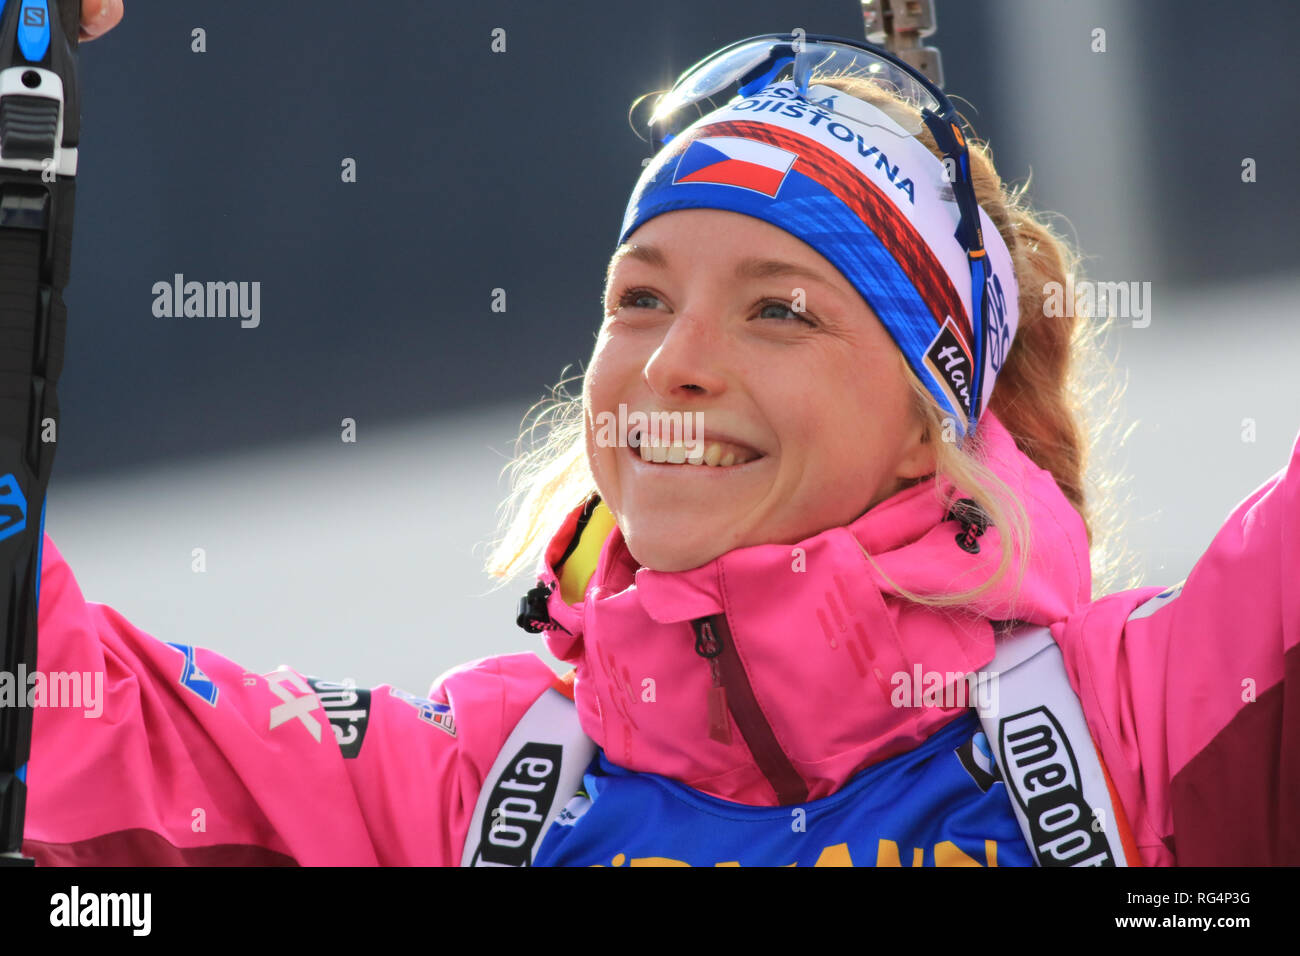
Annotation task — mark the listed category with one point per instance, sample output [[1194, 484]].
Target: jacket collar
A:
[[827, 642]]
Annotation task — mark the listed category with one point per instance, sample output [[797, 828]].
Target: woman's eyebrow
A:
[[776, 269], [650, 255], [752, 268]]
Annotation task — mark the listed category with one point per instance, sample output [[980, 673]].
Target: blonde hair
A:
[[1056, 367]]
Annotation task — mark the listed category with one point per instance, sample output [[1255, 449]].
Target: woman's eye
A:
[[635, 298], [781, 307], [772, 309]]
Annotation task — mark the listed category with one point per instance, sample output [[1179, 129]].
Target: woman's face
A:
[[806, 416]]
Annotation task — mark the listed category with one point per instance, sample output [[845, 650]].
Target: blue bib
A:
[[941, 804]]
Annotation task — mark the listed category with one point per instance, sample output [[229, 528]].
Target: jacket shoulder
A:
[[1192, 691]]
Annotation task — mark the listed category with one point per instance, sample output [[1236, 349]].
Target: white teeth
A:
[[713, 455]]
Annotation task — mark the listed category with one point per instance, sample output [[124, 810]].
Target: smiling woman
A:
[[770, 621], [731, 317], [898, 425], [817, 394]]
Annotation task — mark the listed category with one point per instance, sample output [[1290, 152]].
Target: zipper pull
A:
[[708, 644]]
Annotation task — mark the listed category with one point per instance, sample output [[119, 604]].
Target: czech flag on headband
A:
[[731, 161]]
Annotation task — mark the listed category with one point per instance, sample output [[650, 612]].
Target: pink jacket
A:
[[1192, 696]]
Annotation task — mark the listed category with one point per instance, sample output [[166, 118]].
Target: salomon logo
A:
[[13, 507], [519, 805], [1041, 770]]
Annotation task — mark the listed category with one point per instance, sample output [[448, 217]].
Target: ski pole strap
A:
[[39, 129], [539, 767], [1059, 789]]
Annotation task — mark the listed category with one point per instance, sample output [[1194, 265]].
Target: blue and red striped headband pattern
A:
[[871, 199]]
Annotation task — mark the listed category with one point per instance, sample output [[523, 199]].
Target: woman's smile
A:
[[713, 457], [711, 450]]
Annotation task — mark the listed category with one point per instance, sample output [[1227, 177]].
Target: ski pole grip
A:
[[40, 125]]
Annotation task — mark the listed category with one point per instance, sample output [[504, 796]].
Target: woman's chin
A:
[[664, 550]]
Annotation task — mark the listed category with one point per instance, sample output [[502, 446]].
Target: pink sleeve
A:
[[1193, 693], [148, 753]]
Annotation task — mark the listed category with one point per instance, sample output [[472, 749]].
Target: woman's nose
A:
[[689, 359]]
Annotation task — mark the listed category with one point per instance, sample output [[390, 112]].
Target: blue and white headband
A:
[[871, 199]]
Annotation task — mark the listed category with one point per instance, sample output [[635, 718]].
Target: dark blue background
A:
[[479, 171]]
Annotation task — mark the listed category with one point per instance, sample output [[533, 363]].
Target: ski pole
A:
[[40, 121]]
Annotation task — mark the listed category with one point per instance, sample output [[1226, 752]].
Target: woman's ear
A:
[[918, 458]]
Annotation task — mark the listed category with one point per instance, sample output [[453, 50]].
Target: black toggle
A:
[[974, 522], [533, 615]]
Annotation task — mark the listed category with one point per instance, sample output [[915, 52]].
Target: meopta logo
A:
[[1041, 771], [13, 507], [519, 805], [348, 711]]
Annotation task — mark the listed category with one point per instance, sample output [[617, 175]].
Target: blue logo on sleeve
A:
[[193, 678]]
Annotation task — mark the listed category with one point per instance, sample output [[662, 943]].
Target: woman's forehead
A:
[[746, 246]]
